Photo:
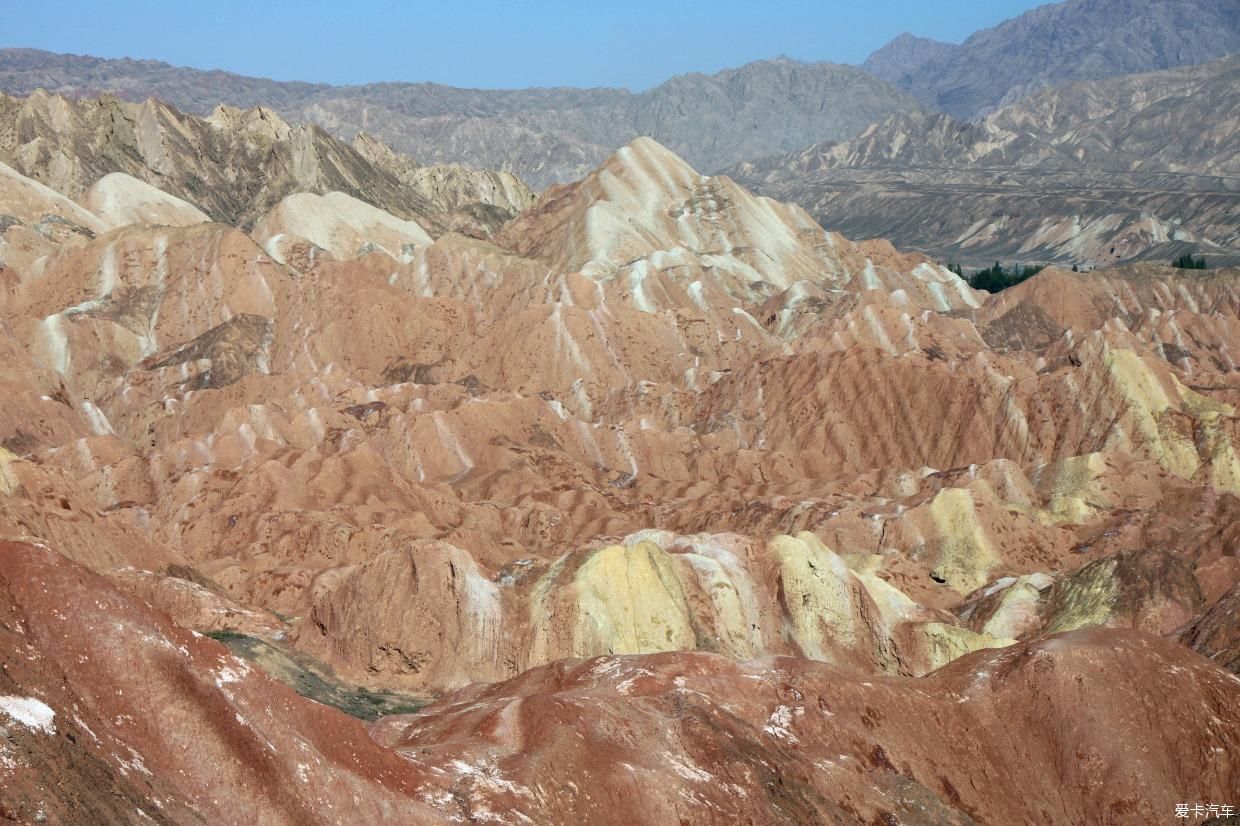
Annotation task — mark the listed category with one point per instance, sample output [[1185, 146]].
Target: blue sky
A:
[[635, 44]]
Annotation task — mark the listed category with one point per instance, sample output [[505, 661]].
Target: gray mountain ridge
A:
[[543, 135], [1093, 172], [761, 109], [1079, 160], [1055, 44]]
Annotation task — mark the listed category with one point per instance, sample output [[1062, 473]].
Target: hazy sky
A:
[[486, 44]]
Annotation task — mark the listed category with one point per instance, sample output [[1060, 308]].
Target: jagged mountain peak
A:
[[258, 121], [645, 156], [667, 235], [899, 59], [236, 164]]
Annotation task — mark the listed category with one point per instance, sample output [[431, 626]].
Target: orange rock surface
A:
[[685, 509]]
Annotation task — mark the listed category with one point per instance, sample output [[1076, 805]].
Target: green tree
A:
[[1188, 262], [996, 279]]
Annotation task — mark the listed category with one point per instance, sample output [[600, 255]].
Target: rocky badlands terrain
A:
[[1094, 173], [1085, 133], [649, 501], [546, 136], [764, 108]]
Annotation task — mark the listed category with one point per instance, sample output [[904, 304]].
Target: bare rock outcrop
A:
[[662, 462]]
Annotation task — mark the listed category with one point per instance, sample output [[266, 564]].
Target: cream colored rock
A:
[[623, 599], [645, 217], [32, 203], [1152, 590], [1070, 486], [449, 186], [427, 618], [966, 552], [8, 479], [259, 123], [338, 223], [822, 597], [929, 646], [35, 221], [1015, 613], [727, 604], [119, 200]]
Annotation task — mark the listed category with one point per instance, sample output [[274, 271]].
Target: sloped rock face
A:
[[656, 420], [119, 200], [1027, 182], [1216, 634], [182, 594], [1151, 590], [36, 220], [697, 738], [338, 224], [546, 136], [701, 736], [1056, 43], [653, 592], [234, 165], [143, 715]]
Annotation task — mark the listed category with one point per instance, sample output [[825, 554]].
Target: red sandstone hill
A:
[[683, 510]]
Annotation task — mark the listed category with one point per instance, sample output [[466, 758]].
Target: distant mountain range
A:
[[1058, 43], [1086, 155], [1140, 166], [765, 108], [543, 135]]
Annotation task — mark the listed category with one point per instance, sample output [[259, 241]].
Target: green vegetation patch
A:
[[1188, 262], [315, 681], [995, 278]]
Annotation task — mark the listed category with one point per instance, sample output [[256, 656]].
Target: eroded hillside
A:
[[680, 507]]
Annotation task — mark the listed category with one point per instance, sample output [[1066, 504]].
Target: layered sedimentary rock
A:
[[656, 420], [234, 165], [1056, 43], [132, 713], [1092, 173], [1216, 634], [36, 220], [337, 224], [764, 108], [653, 592], [546, 136], [701, 737], [119, 200], [664, 738]]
